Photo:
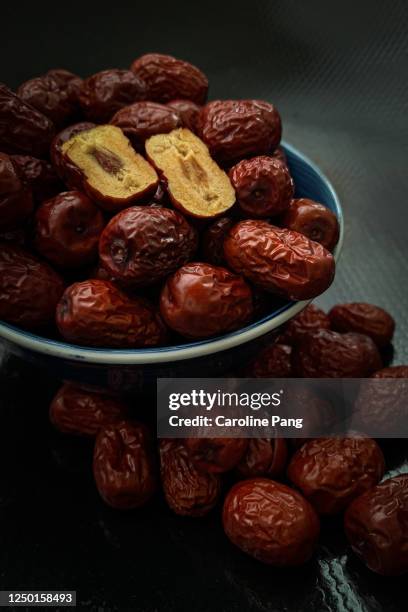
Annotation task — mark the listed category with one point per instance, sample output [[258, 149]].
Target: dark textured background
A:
[[338, 73]]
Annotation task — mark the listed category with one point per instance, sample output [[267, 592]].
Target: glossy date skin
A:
[[365, 319], [23, 129], [67, 230], [270, 522], [168, 78], [201, 300], [123, 465], [233, 129], [106, 92], [16, 201], [215, 455], [263, 186], [141, 120], [142, 245], [264, 457], [278, 260], [377, 529], [97, 313], [331, 472], [29, 289], [274, 361], [328, 354], [188, 491], [313, 220], [39, 175], [77, 411], [188, 112], [212, 240], [310, 319], [57, 157]]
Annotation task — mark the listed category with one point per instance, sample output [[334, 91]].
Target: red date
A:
[[201, 300], [29, 289], [16, 202], [96, 313], [57, 156], [123, 465], [377, 529], [188, 112], [331, 472], [365, 319], [314, 221], [215, 455], [279, 260], [77, 411], [40, 177], [188, 491], [67, 230], [263, 186], [264, 457], [310, 319], [141, 245], [270, 522], [274, 361], [105, 93]]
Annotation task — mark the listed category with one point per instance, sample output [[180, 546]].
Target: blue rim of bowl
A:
[[106, 356]]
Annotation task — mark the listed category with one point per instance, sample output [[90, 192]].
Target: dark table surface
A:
[[337, 72]]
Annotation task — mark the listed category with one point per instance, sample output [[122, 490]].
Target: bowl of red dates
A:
[[146, 231]]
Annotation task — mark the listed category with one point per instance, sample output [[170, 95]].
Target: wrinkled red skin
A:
[[67, 172], [377, 529], [23, 129], [280, 154], [70, 82], [67, 230], [263, 186], [310, 319], [278, 260], [142, 245], [212, 241], [168, 78], [365, 319], [16, 201], [270, 522], [201, 300], [233, 129], [141, 120], [96, 313], [123, 465], [40, 177], [50, 97], [215, 455], [188, 491], [78, 411], [331, 472], [272, 362], [29, 289], [392, 372], [188, 112], [313, 220], [264, 457], [328, 354], [103, 94]]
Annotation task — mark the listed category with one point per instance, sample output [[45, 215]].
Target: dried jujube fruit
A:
[[215, 455], [264, 457], [188, 112], [233, 129], [70, 82], [110, 170], [263, 186], [106, 92], [331, 472], [212, 241], [141, 120], [142, 245], [67, 230], [78, 411], [274, 361], [313, 220], [201, 300], [168, 78], [279, 260], [270, 522], [310, 319], [29, 289], [23, 129], [123, 465], [188, 491], [97, 313], [376, 525], [365, 319], [57, 157], [328, 354], [40, 177], [280, 154], [16, 201], [195, 183]]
